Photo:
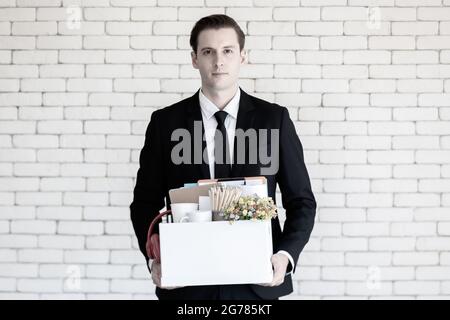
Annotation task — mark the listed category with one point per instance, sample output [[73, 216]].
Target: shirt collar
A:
[[209, 108]]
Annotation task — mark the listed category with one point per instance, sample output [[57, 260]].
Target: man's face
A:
[[218, 58]]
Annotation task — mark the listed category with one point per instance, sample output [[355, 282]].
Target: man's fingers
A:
[[276, 282], [156, 273], [277, 275], [264, 284], [156, 281], [156, 277], [170, 288], [279, 271]]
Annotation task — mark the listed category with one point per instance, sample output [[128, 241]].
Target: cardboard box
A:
[[218, 252]]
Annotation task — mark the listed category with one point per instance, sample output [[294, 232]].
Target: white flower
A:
[[251, 208]]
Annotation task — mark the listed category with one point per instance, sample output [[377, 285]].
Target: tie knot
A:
[[220, 117]]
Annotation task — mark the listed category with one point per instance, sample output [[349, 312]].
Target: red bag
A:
[[152, 245]]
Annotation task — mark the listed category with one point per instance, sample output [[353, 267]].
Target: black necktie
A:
[[222, 163]]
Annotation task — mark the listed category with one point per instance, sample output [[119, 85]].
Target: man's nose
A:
[[219, 60]]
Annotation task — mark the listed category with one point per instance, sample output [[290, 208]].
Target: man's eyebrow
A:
[[230, 46]]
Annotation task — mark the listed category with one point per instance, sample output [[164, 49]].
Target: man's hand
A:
[[156, 275], [280, 263]]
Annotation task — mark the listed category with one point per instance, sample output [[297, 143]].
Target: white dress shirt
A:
[[210, 123], [208, 109]]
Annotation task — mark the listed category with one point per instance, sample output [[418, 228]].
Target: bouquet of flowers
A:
[[251, 208]]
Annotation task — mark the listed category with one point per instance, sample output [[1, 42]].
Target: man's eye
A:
[[206, 52], [228, 51]]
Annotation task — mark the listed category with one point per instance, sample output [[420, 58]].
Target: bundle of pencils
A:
[[222, 196]]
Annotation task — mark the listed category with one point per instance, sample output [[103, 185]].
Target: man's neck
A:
[[220, 98]]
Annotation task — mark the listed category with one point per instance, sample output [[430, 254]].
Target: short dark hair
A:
[[216, 21]]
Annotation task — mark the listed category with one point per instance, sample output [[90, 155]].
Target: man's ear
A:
[[244, 56], [194, 59]]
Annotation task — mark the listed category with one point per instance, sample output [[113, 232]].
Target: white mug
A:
[[180, 210], [198, 216]]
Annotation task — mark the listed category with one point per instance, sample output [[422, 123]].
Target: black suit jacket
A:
[[157, 175]]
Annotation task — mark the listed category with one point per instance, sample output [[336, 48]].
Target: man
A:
[[222, 107]]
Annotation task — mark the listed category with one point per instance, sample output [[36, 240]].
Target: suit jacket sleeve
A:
[[149, 191], [296, 194]]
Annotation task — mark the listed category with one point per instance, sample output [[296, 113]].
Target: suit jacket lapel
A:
[[245, 120], [194, 113]]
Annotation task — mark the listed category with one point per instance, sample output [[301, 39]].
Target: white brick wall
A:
[[368, 89]]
